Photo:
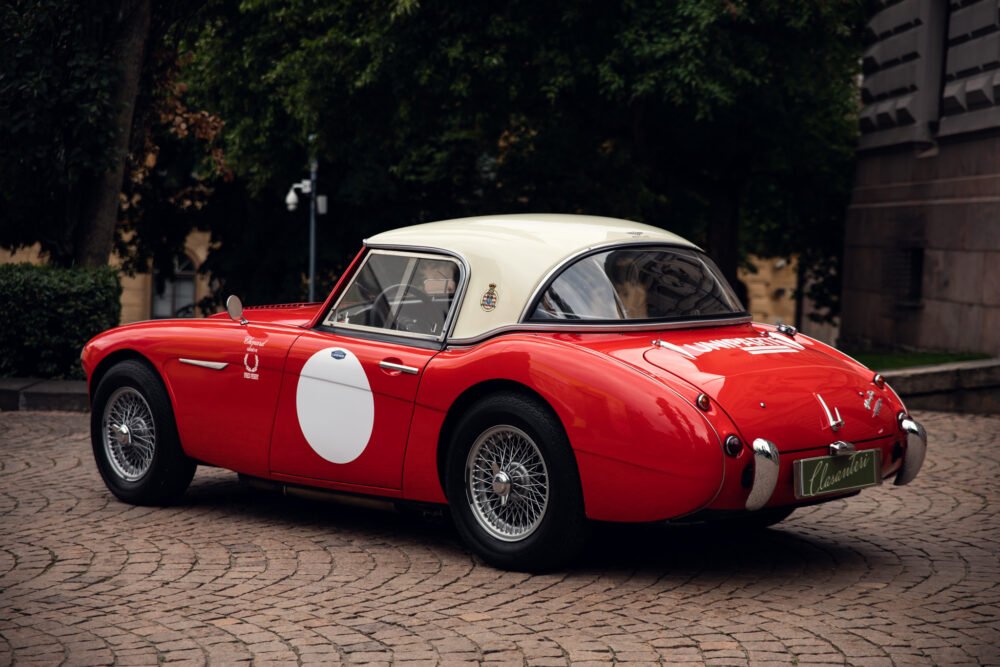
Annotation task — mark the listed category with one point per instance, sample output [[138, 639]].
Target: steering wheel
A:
[[381, 308]]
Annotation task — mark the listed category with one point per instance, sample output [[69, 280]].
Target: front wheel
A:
[[134, 437], [513, 485]]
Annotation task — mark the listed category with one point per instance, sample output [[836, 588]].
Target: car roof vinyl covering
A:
[[510, 255]]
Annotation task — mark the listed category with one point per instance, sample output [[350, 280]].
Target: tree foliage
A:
[[728, 121], [56, 118], [81, 168], [695, 115]]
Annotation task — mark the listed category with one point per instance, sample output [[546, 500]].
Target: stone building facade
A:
[[922, 249]]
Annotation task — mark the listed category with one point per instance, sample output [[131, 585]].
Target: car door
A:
[[349, 386], [226, 379]]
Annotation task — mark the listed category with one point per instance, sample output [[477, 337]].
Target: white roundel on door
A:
[[335, 405]]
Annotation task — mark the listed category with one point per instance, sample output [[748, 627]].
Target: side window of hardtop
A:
[[399, 293]]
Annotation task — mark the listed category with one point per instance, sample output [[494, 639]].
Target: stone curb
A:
[[967, 386], [37, 394]]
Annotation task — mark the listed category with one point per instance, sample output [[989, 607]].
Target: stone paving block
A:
[[895, 576]]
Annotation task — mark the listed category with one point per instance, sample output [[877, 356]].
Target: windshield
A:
[[639, 284], [397, 292]]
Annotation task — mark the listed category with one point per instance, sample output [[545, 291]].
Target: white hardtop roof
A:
[[514, 254]]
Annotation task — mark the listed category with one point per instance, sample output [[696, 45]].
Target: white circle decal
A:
[[335, 405]]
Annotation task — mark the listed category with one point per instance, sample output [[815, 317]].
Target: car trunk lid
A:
[[790, 390]]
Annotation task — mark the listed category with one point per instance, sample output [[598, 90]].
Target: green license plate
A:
[[824, 475]]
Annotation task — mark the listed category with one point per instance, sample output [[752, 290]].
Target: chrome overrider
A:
[[765, 473], [916, 449]]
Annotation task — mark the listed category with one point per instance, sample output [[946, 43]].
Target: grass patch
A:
[[887, 361]]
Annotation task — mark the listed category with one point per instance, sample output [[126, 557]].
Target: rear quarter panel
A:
[[644, 453]]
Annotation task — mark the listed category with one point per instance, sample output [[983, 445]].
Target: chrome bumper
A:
[[916, 449], [765, 473]]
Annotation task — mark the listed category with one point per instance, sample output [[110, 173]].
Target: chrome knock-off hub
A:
[[507, 483], [129, 434], [502, 485]]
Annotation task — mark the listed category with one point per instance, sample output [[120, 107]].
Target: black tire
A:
[[143, 465], [543, 533]]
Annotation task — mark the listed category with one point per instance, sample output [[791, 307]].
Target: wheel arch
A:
[[171, 470], [108, 362], [470, 397]]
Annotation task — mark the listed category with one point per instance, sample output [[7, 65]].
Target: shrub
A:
[[48, 313]]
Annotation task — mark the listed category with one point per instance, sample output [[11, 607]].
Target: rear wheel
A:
[[513, 486], [134, 437]]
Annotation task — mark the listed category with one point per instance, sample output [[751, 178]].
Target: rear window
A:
[[638, 285]]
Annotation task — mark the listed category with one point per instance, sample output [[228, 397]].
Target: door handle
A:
[[393, 366]]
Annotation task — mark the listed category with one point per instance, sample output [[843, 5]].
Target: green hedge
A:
[[48, 313]]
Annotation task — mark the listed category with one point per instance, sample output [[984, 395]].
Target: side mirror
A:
[[235, 309]]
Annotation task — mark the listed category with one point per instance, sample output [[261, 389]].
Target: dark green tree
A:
[[728, 121], [731, 122], [88, 102], [70, 78]]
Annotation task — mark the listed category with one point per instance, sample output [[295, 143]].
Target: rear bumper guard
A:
[[916, 449], [765, 473]]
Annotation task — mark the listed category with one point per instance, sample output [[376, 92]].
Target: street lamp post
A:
[[308, 187], [313, 167]]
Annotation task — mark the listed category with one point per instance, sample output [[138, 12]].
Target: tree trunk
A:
[[96, 233]]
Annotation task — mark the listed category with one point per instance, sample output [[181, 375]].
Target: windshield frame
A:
[[553, 275]]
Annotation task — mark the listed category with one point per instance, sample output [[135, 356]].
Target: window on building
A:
[[906, 276], [178, 297]]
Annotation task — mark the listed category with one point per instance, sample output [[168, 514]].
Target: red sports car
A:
[[530, 372]]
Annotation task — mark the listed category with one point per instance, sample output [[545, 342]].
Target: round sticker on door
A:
[[335, 405]]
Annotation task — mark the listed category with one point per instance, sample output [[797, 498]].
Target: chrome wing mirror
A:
[[235, 309]]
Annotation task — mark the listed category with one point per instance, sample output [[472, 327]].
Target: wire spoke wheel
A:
[[507, 483], [129, 434]]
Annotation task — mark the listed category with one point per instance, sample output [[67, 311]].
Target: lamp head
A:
[[292, 199]]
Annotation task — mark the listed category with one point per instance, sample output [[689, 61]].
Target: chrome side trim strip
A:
[[214, 365], [916, 450], [765, 473], [599, 328], [390, 366]]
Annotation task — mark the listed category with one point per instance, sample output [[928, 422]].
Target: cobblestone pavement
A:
[[895, 576]]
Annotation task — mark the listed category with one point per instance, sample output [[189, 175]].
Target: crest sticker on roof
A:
[[490, 298]]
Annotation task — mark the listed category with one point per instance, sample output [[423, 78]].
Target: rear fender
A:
[[643, 451]]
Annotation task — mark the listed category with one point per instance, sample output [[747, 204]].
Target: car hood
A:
[[289, 314], [793, 391]]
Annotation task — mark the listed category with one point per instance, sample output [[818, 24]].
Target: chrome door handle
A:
[[390, 366]]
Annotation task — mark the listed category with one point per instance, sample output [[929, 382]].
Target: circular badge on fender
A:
[[335, 406]]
